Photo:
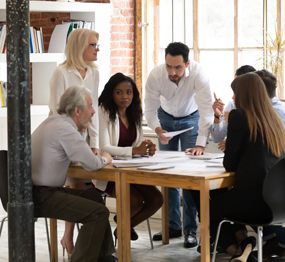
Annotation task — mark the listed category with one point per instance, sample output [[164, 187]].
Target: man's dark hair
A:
[[134, 111], [177, 48], [269, 80], [245, 69]]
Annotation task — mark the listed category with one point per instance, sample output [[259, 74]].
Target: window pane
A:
[[165, 22], [271, 17], [251, 57], [222, 74], [250, 22], [178, 21], [189, 23], [216, 23]]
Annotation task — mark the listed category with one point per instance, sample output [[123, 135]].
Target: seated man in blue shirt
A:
[[55, 143], [219, 128]]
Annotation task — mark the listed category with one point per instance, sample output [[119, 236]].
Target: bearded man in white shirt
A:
[[55, 143], [178, 97]]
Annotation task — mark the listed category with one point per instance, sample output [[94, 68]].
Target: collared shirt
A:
[[55, 143], [63, 78], [219, 130], [193, 92]]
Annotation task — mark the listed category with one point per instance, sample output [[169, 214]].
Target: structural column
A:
[[20, 206]]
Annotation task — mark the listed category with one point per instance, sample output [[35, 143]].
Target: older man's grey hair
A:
[[74, 96]]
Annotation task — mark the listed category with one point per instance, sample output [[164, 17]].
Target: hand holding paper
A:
[[175, 133]]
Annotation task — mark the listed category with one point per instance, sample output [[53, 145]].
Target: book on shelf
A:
[[2, 37], [3, 94], [61, 33], [36, 40]]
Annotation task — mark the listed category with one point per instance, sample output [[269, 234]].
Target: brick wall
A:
[[122, 32], [122, 37]]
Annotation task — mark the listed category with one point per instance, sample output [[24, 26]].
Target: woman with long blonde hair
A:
[[255, 143]]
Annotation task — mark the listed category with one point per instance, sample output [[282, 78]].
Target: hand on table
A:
[[108, 156], [222, 145], [197, 151], [145, 148]]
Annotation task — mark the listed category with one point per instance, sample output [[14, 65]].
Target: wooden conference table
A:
[[199, 178]]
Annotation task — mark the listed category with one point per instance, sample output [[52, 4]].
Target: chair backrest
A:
[[274, 191], [4, 178]]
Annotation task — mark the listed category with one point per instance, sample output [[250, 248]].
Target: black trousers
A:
[[78, 206]]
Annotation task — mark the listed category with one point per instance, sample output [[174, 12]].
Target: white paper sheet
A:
[[175, 133], [181, 162]]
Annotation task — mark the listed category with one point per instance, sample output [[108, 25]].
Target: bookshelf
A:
[[44, 64]]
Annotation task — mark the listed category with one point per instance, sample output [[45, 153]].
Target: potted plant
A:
[[274, 56]]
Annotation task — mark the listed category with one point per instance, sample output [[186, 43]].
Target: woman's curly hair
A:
[[134, 110]]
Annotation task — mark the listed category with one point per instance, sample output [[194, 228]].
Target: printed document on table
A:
[[175, 133]]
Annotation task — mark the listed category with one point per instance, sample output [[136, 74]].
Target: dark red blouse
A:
[[127, 135]]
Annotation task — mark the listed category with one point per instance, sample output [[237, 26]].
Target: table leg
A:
[[53, 239], [119, 215], [165, 219], [126, 218], [205, 221]]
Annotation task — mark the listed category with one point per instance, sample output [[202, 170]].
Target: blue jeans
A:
[[187, 140]]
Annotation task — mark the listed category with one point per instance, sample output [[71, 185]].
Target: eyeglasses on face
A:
[[96, 46]]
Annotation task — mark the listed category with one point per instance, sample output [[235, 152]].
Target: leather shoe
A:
[[278, 255], [212, 245], [173, 233], [190, 239]]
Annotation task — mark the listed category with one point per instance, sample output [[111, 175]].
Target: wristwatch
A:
[[218, 117]]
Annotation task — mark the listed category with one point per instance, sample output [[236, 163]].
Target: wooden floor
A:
[[141, 250]]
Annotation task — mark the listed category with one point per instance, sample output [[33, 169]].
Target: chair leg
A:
[[149, 232], [78, 227], [217, 238], [2, 223], [259, 243], [48, 240]]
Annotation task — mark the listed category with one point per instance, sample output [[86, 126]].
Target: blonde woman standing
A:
[[78, 69]]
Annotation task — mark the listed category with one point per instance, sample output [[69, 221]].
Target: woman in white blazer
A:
[[120, 134]]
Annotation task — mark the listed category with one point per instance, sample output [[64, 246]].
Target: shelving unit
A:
[[44, 64]]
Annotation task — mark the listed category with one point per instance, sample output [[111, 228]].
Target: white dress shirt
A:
[[219, 130], [55, 143], [193, 92], [109, 138], [63, 78]]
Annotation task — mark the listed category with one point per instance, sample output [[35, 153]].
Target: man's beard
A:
[[81, 121], [177, 79]]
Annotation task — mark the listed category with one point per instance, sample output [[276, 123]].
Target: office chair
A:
[[274, 195], [4, 192]]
